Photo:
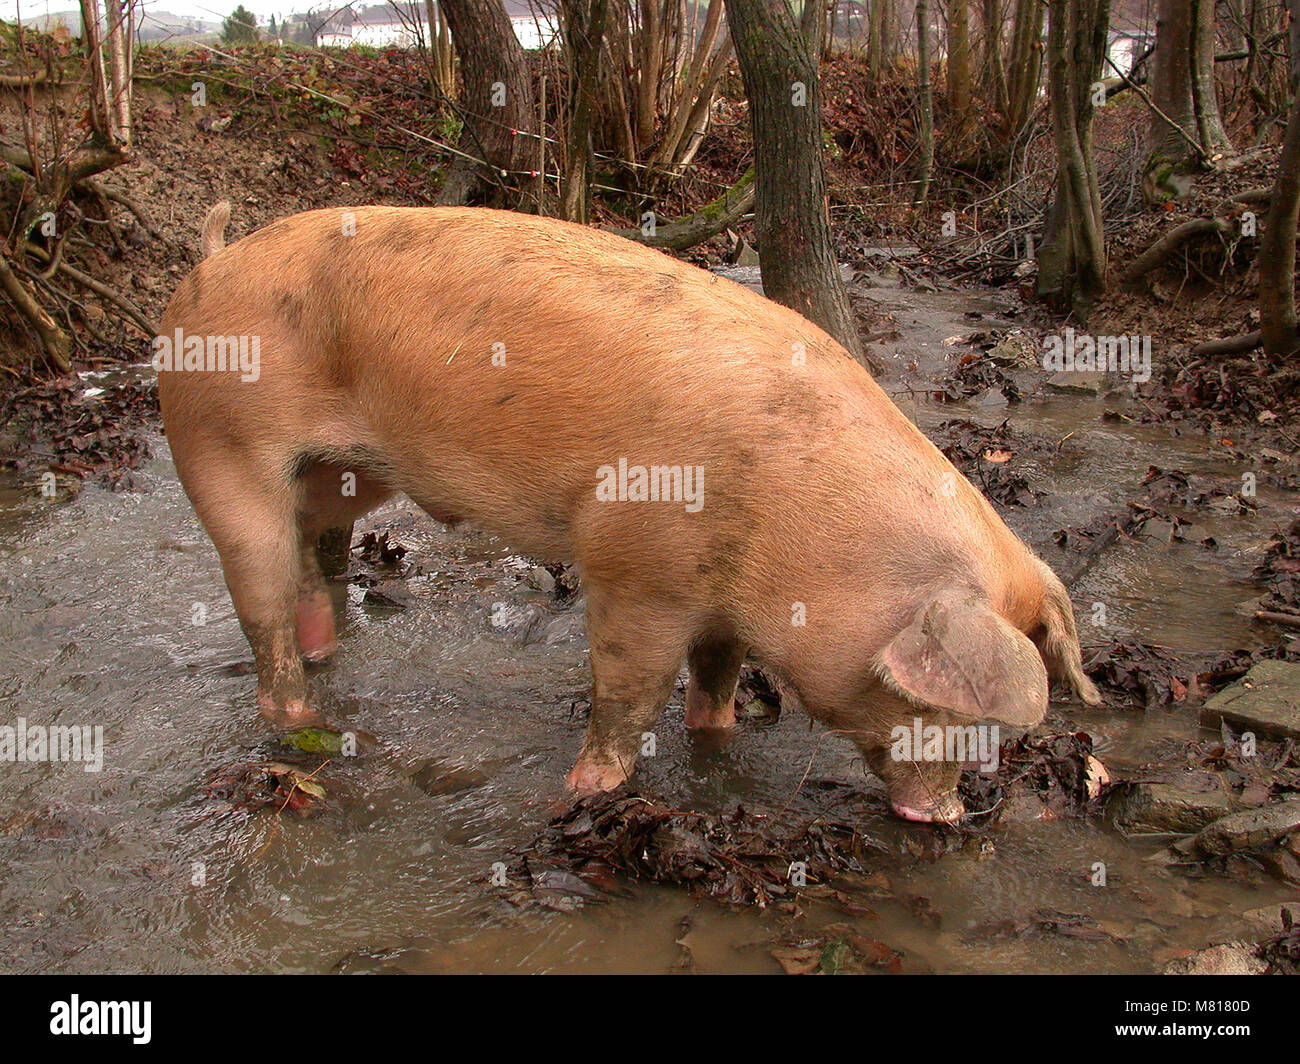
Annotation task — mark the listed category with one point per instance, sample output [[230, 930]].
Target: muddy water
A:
[[134, 868]]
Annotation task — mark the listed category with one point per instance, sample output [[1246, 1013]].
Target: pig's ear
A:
[[961, 656]]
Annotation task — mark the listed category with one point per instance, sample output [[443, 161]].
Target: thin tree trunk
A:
[[1276, 258], [1205, 100], [925, 102], [586, 27], [959, 74], [778, 62], [1072, 259], [493, 73]]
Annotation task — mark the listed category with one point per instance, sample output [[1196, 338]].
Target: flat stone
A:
[[1231, 958], [1183, 805], [1251, 829], [1267, 921], [1083, 381], [1016, 350], [1266, 701]]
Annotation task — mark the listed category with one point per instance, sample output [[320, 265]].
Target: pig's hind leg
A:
[[636, 654], [711, 696], [253, 523]]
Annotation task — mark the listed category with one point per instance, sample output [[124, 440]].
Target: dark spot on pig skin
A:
[[503, 399], [397, 238], [554, 520], [290, 309], [668, 285], [610, 648]]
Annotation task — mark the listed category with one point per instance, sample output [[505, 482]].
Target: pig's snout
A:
[[946, 809]]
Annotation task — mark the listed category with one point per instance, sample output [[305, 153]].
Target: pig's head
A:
[[960, 657]]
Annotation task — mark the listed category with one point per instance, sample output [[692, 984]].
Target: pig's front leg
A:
[[636, 653]]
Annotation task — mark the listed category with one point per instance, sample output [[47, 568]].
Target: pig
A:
[[728, 481]]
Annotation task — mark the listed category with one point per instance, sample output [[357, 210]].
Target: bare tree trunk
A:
[[778, 61], [1186, 131], [1025, 64], [584, 30], [498, 99], [879, 17], [1205, 99], [1276, 258], [993, 67], [695, 94], [925, 103], [1072, 259], [959, 74]]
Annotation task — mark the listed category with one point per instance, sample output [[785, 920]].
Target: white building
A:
[[389, 25]]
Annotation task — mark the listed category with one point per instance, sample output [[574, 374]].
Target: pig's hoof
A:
[[704, 714], [321, 654], [587, 779], [290, 715], [947, 809]]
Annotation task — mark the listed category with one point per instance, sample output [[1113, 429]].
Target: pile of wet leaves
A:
[[290, 781], [987, 455], [1134, 674], [1231, 666], [1046, 777], [1212, 389], [79, 434], [1255, 772], [975, 375], [836, 949], [256, 785], [742, 858], [1279, 572]]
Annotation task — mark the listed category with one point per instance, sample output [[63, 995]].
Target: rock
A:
[[1283, 864], [745, 254], [1252, 829], [1266, 701], [1087, 382], [1231, 958], [391, 593], [439, 777], [1185, 804], [1015, 350], [541, 578], [1267, 921]]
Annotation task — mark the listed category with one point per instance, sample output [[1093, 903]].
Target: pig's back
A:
[[508, 358]]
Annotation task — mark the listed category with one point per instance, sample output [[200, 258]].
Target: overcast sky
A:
[[212, 10]]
